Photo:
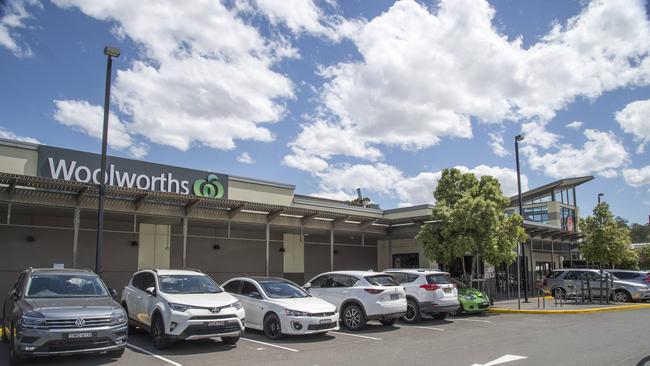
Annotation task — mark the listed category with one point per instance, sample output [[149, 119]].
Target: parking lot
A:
[[466, 340]]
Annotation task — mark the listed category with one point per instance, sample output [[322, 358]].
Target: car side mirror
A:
[[113, 293], [151, 291], [13, 295], [255, 295], [307, 286]]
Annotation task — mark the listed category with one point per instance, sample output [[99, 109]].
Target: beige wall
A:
[[18, 160], [294, 253], [242, 190], [154, 246]]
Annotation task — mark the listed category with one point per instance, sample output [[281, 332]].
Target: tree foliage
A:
[[606, 242], [469, 217], [644, 257], [640, 233]]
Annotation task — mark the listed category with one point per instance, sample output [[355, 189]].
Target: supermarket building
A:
[[172, 217]]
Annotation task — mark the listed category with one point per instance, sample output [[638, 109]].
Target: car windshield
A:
[[439, 279], [188, 284], [64, 285], [283, 290], [382, 280]]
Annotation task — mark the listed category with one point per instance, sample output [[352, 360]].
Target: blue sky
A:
[[331, 96]]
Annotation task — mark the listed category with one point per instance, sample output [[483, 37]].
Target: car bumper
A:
[[436, 308], [475, 306], [296, 325], [202, 324], [47, 342], [386, 310], [641, 296]]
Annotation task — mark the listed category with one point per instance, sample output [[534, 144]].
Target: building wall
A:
[[18, 160], [386, 249], [248, 190]]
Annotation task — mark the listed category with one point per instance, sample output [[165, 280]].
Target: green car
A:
[[471, 300]]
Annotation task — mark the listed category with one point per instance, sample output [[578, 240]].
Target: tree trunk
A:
[[462, 262]]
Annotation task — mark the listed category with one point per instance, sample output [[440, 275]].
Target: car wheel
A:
[[230, 340], [116, 353], [622, 296], [272, 326], [14, 357], [388, 322], [353, 318], [559, 293], [440, 316], [412, 312], [158, 333]]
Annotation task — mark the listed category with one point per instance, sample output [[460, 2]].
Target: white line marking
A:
[[431, 328], [270, 344], [501, 360], [474, 320], [357, 335], [154, 355]]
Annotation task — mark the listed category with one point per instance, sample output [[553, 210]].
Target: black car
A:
[[62, 311]]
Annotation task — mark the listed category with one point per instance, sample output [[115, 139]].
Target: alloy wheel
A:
[[352, 318], [410, 312]]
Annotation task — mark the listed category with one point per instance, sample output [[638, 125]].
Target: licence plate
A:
[[447, 290], [79, 335], [215, 324], [325, 321], [394, 296]]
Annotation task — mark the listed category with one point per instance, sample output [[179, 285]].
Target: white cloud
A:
[[635, 119], [6, 134], [424, 74], [338, 195], [245, 158], [496, 144], [574, 125], [603, 153], [89, 119], [192, 84], [637, 177], [13, 15]]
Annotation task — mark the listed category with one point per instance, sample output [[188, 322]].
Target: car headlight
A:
[[295, 313], [236, 305], [118, 317], [32, 322], [179, 307]]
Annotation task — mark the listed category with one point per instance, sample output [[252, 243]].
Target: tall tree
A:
[[606, 242], [644, 257], [469, 217], [640, 233]]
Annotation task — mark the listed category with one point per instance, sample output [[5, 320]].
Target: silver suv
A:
[[565, 282], [62, 311]]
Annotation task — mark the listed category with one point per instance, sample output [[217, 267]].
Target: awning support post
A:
[[332, 248], [268, 243], [75, 238]]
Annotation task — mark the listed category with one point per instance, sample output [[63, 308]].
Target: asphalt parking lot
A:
[[615, 338]]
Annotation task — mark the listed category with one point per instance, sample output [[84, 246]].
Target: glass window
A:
[[554, 274], [343, 281], [381, 280], [411, 277], [573, 275], [438, 279], [321, 281], [283, 290], [568, 217], [536, 214], [399, 277], [248, 288], [148, 281], [63, 285], [232, 287], [188, 284]]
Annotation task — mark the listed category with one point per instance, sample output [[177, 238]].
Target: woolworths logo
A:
[[210, 188]]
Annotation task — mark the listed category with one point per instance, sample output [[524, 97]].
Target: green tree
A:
[[469, 217], [640, 233], [644, 257], [606, 241]]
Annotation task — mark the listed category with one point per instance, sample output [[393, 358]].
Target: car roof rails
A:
[[148, 269]]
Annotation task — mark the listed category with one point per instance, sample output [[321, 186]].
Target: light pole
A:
[[600, 195], [519, 138], [110, 52]]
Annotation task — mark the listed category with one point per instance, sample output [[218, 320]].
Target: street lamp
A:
[[110, 52], [600, 195], [519, 138]]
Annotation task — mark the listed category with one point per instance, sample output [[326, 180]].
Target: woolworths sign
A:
[[83, 167]]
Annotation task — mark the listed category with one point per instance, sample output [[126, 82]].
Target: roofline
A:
[[409, 208], [555, 184], [261, 181], [19, 144]]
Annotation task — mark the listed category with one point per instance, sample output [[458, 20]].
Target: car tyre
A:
[[622, 296], [158, 333], [272, 326], [440, 316], [388, 322], [559, 293], [413, 314], [353, 317], [116, 353], [14, 357], [230, 340]]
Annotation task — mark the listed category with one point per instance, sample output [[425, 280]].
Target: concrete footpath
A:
[[537, 307]]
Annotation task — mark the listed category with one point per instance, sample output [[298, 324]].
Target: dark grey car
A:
[[62, 311], [629, 275]]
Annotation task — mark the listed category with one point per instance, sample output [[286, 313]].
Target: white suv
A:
[[427, 292], [181, 304], [360, 296]]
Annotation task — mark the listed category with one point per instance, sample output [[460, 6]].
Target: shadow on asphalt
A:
[[81, 360], [179, 348], [258, 335]]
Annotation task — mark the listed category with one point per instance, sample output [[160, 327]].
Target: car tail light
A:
[[647, 278], [373, 291], [430, 287]]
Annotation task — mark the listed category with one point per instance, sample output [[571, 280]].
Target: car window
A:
[[399, 277], [411, 277], [148, 280], [232, 287], [438, 279], [20, 283], [573, 275], [65, 286], [138, 280], [323, 281], [247, 288], [339, 280], [188, 284], [554, 274], [381, 280], [625, 275], [283, 290]]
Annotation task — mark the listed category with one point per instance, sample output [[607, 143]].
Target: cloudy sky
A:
[[334, 95]]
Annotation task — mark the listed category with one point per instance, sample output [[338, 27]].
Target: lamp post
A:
[[600, 195], [519, 138], [110, 52]]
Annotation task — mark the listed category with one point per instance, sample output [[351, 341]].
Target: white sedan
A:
[[278, 306]]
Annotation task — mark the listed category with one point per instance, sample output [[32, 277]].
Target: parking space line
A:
[[420, 327], [357, 335], [474, 320], [153, 354], [270, 344]]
